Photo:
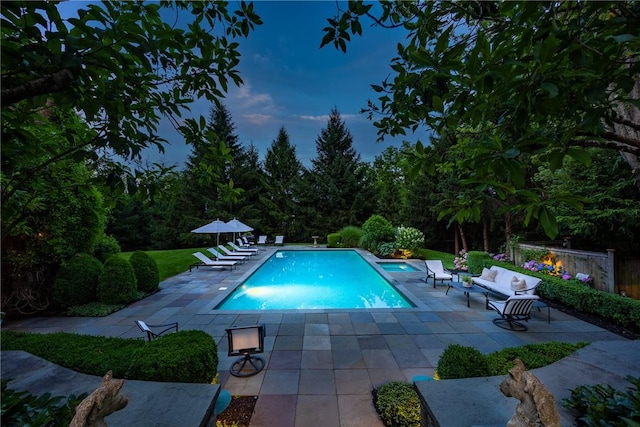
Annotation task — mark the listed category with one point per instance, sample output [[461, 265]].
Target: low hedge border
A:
[[621, 310], [184, 356]]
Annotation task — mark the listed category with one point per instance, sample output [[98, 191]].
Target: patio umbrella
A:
[[215, 227], [238, 227]]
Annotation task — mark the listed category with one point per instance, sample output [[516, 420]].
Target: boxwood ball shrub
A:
[[105, 247], [377, 229], [334, 240], [397, 404], [117, 283], [76, 281], [146, 271], [477, 260], [459, 361]]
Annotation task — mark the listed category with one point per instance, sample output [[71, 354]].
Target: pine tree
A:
[[340, 193]]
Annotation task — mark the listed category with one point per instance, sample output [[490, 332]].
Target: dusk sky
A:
[[289, 81]]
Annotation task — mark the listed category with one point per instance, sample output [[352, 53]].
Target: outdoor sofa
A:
[[498, 280]]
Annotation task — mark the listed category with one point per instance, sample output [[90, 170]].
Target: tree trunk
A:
[[463, 238], [485, 234], [508, 230], [630, 113], [456, 242]]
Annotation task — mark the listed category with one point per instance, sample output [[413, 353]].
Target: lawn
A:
[[173, 261]]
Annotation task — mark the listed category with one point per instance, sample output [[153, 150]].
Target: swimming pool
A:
[[314, 279], [397, 267]]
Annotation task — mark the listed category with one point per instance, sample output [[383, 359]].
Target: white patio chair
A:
[[436, 270]]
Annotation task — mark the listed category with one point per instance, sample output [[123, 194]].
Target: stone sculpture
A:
[[537, 405], [102, 402]]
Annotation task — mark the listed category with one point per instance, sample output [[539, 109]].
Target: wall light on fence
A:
[[246, 341]]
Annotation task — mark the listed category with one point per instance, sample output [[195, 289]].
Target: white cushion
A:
[[518, 284], [489, 275]]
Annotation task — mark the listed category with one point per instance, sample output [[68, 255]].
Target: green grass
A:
[[173, 261], [447, 258]]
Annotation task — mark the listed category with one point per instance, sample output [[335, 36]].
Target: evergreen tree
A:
[[283, 171], [338, 180]]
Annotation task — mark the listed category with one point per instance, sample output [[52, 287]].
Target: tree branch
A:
[[56, 82]]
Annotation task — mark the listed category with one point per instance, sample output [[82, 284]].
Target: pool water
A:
[[310, 279], [396, 267]]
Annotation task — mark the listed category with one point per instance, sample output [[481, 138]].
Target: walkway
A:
[[323, 364]]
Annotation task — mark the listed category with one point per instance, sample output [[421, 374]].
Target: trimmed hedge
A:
[[117, 283], [105, 247], [334, 240], [146, 271], [184, 356], [457, 361], [477, 260], [76, 281], [621, 310], [397, 404]]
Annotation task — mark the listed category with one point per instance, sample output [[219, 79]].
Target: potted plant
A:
[[466, 281]]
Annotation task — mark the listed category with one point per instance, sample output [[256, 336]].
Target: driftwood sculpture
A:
[[102, 402], [537, 405]]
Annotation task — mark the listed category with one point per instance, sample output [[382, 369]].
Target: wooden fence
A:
[[610, 273]]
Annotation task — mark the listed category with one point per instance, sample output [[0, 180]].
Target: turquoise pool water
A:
[[396, 267], [314, 280]]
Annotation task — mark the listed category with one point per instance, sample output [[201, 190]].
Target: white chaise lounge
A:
[[436, 270]]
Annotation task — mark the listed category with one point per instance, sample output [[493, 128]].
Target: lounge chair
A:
[[221, 257], [262, 240], [436, 270], [248, 251], [241, 243], [151, 335], [208, 262], [279, 240], [226, 250], [513, 310], [246, 242]]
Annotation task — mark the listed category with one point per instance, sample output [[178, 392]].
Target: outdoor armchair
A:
[[151, 334], [436, 270], [513, 310]]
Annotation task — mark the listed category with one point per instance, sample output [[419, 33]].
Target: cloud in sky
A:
[[289, 81]]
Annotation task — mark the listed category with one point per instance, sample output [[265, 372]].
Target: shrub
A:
[[409, 238], [602, 405], [184, 356], [397, 404], [377, 230], [105, 247], [76, 281], [386, 249], [351, 236], [20, 408], [532, 355], [334, 240], [458, 361], [477, 260], [117, 283], [146, 271]]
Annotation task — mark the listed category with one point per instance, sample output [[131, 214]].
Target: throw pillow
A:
[[489, 275], [518, 284]]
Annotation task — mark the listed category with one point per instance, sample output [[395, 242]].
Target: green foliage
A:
[[477, 260], [397, 404], [386, 249], [105, 247], [350, 236], [377, 230], [621, 310], [524, 85], [117, 283], [146, 271], [409, 238], [458, 361], [20, 408], [76, 281], [334, 240], [532, 355], [94, 309], [602, 405], [184, 356], [535, 254]]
